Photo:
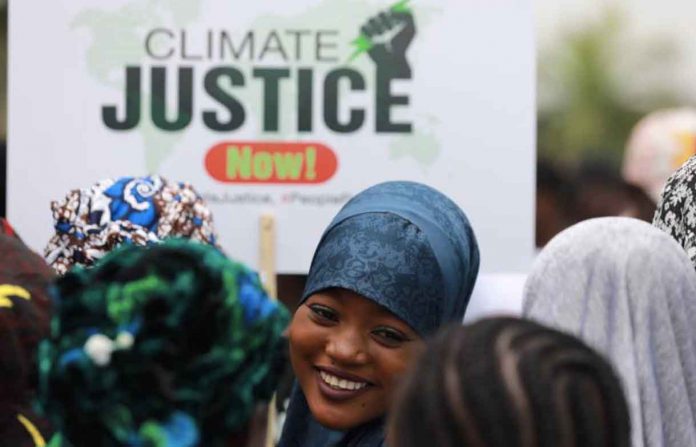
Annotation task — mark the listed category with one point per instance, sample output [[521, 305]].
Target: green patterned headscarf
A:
[[169, 345]]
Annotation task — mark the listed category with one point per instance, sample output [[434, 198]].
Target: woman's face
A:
[[347, 353]]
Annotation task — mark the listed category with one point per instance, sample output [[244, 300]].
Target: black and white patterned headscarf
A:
[[676, 211]]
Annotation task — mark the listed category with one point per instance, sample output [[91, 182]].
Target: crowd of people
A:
[[136, 329]]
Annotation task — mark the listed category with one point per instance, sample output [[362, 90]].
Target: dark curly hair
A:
[[505, 382], [25, 311], [172, 344]]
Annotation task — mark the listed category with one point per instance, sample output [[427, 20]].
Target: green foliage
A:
[[591, 92]]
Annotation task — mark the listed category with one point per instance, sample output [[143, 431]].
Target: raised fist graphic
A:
[[390, 34]]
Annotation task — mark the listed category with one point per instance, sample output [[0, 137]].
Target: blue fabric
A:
[[133, 199], [408, 248]]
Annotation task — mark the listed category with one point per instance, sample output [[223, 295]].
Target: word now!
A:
[[270, 162]]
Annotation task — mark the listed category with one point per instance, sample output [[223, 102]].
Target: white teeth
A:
[[341, 384]]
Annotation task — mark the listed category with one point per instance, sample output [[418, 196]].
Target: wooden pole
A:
[[267, 268], [267, 254]]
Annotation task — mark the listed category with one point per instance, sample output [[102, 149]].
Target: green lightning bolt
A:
[[363, 43]]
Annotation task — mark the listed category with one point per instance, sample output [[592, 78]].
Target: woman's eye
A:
[[323, 313], [390, 337]]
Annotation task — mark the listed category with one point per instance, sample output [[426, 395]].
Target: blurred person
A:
[[552, 191], [506, 382], [659, 144], [24, 322], [91, 222], [171, 345], [628, 290], [398, 261], [640, 205], [676, 211], [3, 178], [601, 192]]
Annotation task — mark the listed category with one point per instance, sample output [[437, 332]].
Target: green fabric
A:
[[195, 343]]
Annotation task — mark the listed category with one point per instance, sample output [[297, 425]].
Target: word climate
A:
[[221, 64]]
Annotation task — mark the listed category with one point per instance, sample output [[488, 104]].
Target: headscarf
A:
[[169, 346], [408, 248], [93, 221], [660, 143], [24, 321], [629, 291], [676, 211]]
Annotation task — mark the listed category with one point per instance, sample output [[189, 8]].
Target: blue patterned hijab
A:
[[408, 248]]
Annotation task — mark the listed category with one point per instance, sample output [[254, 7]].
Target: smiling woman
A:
[[338, 331], [397, 262]]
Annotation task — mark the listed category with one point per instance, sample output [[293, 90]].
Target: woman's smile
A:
[[334, 387], [338, 385], [348, 353]]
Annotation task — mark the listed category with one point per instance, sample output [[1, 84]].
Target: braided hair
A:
[[167, 345], [505, 382]]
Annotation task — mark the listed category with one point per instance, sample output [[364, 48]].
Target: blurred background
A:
[[603, 66], [616, 83]]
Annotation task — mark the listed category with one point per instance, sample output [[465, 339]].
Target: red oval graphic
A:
[[270, 162]]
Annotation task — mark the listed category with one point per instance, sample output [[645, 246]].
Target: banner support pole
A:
[[267, 269]]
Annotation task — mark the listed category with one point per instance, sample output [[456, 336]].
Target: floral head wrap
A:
[[130, 210], [676, 211]]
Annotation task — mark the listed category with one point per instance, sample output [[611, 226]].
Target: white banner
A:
[[287, 107]]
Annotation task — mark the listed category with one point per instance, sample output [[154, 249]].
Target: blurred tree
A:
[[594, 85]]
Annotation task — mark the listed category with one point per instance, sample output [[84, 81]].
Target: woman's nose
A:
[[347, 347]]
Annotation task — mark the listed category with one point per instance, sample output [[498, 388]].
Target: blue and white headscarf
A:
[[408, 248], [91, 222]]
